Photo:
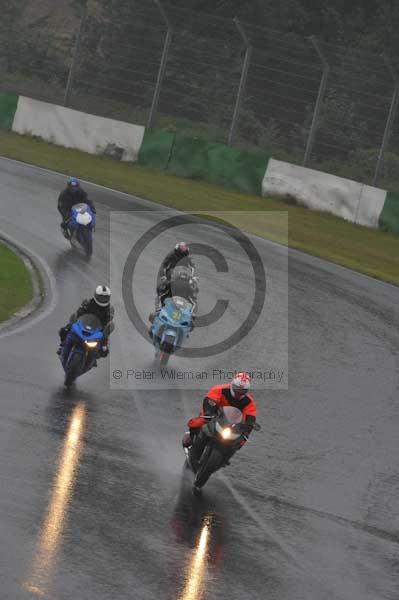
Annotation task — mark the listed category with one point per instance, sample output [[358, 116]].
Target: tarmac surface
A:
[[92, 502]]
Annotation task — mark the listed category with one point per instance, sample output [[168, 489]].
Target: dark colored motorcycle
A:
[[218, 440]]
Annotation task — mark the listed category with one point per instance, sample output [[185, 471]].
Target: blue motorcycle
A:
[[81, 347], [81, 224], [170, 327]]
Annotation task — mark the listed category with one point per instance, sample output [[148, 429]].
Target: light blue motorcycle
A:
[[171, 326]]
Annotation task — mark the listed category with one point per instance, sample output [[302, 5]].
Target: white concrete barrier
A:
[[345, 198], [370, 206], [73, 129]]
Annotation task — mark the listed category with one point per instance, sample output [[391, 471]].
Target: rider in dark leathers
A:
[[182, 283], [180, 255], [71, 195], [98, 306], [176, 278]]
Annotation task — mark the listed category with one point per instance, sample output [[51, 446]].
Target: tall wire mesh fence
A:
[[298, 99]]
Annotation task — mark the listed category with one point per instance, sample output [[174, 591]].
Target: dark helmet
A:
[[182, 249], [102, 295]]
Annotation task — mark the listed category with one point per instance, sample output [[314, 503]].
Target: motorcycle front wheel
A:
[[210, 465], [163, 358], [73, 369]]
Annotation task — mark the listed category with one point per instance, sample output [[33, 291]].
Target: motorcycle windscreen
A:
[[232, 415], [80, 208], [177, 309], [90, 324], [82, 214], [182, 271]]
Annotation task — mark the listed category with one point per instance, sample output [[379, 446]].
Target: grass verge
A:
[[16, 288], [369, 251]]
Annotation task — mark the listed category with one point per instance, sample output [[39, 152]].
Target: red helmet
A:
[[240, 385]]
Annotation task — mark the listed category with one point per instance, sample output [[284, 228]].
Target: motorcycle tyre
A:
[[74, 368], [212, 464]]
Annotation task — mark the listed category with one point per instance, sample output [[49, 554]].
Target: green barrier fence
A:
[[217, 163], [199, 159], [389, 217], [156, 149], [8, 106]]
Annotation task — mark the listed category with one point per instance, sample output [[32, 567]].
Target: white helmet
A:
[[240, 385], [102, 295], [182, 248]]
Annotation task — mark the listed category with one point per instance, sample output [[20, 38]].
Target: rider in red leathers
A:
[[230, 394]]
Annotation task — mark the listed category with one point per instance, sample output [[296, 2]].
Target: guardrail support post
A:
[[319, 102], [162, 66], [75, 56], [389, 124], [243, 80]]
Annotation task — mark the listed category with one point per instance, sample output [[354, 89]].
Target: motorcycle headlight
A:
[[91, 344], [226, 433]]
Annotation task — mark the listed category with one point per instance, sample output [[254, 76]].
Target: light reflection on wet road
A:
[[51, 531], [196, 573]]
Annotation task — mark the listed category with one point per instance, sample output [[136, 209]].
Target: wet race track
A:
[[92, 502]]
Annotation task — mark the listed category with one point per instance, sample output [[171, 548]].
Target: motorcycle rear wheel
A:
[[87, 241]]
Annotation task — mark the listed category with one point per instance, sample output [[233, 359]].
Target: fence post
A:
[[75, 56], [389, 124], [243, 80], [162, 66], [319, 101]]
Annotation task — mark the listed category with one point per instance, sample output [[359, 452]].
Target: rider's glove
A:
[[63, 332], [245, 428], [210, 407]]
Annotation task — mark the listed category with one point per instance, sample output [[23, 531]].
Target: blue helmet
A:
[[73, 182]]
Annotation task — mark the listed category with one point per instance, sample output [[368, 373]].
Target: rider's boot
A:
[[64, 229], [187, 441]]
